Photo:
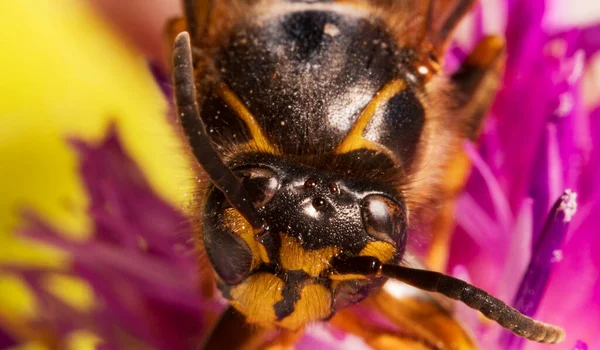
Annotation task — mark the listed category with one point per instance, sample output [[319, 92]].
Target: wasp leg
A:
[[197, 14], [423, 320], [234, 323], [422, 324], [379, 337], [233, 332], [476, 81], [425, 315], [453, 182]]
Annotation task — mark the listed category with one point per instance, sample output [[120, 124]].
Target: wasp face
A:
[[314, 217], [320, 120]]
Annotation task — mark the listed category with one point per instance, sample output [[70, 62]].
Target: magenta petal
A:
[[163, 81], [6, 341], [478, 30], [572, 298], [589, 186], [480, 227], [524, 35], [454, 57], [547, 181], [526, 99], [580, 346], [468, 316], [545, 254], [499, 205], [327, 337], [125, 207], [105, 346], [315, 341], [587, 38], [519, 252], [484, 219], [139, 260]]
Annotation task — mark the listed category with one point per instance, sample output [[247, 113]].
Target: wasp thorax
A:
[[314, 217]]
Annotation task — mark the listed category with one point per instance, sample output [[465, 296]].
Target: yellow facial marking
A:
[[381, 250], [346, 277], [255, 297], [263, 253], [238, 224], [294, 257], [256, 132], [314, 304], [355, 140]]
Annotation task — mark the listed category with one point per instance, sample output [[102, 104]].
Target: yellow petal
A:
[[16, 299], [73, 291], [64, 74], [82, 340]]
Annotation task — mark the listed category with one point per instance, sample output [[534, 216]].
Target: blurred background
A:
[[91, 166]]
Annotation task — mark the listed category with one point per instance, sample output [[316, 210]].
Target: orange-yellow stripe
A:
[[355, 139], [256, 132]]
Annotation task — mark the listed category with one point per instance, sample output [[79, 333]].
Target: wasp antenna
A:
[[197, 14], [478, 299], [197, 137], [477, 82]]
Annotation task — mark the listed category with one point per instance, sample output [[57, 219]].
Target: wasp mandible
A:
[[325, 128]]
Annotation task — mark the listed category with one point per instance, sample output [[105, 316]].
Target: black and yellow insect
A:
[[325, 129]]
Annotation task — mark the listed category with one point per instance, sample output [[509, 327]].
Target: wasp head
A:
[[314, 217]]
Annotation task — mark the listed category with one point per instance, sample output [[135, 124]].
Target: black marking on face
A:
[[225, 289], [307, 75], [316, 217], [306, 32], [398, 125], [229, 254], [223, 124], [322, 207], [351, 292], [290, 293]]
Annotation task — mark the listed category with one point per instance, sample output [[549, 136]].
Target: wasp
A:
[[325, 130]]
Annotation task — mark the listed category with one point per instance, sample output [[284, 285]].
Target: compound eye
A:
[[260, 183], [384, 219]]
